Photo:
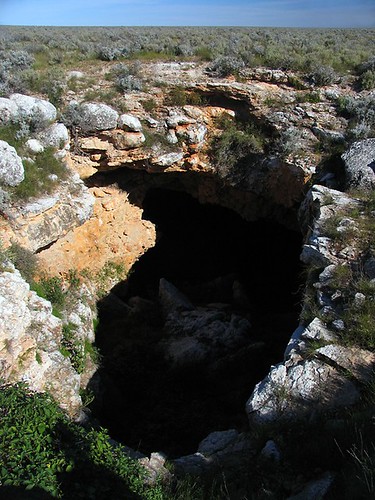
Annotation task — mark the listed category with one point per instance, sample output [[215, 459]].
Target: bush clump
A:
[[44, 453], [227, 65], [322, 75], [42, 175]]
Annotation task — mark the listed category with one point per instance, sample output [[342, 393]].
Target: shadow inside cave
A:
[[223, 264]]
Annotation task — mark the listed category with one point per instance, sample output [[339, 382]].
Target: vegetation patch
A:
[[42, 452]]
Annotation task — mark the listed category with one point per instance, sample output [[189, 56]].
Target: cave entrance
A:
[[171, 376]]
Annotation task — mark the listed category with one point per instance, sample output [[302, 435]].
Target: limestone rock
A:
[[56, 136], [194, 134], [217, 441], [93, 117], [358, 362], [359, 164], [30, 341], [291, 392], [47, 219], [203, 335], [130, 123], [8, 110], [316, 489], [11, 167], [271, 451], [172, 299], [167, 159], [34, 146], [33, 109], [175, 120], [127, 140]]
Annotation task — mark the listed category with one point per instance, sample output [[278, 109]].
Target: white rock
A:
[[76, 74], [130, 123], [8, 110], [217, 441], [40, 206], [94, 116], [168, 159], [56, 136], [171, 136], [11, 167], [317, 330], [32, 108], [34, 146]]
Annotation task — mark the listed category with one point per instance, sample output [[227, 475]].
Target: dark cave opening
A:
[[233, 272]]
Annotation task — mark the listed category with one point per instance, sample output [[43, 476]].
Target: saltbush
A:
[[227, 65]]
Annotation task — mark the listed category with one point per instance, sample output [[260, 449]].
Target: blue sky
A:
[[288, 13]]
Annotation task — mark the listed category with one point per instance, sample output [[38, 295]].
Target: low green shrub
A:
[[42, 175], [42, 451]]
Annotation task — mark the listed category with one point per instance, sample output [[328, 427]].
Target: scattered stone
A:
[[75, 75], [271, 451], [217, 441], [130, 123], [34, 146], [338, 325], [317, 330], [11, 167], [152, 122], [172, 299], [316, 489], [171, 136], [174, 120]]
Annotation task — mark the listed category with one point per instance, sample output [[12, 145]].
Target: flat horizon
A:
[[195, 13]]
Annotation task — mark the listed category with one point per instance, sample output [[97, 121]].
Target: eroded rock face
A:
[[30, 342], [37, 224], [313, 378]]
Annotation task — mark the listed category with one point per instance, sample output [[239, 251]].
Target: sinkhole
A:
[[180, 362]]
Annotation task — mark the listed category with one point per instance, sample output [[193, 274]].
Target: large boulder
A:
[[32, 109], [359, 163], [92, 117], [11, 167]]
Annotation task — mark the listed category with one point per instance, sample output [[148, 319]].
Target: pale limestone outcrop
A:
[[11, 166], [30, 341], [311, 376], [37, 224]]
